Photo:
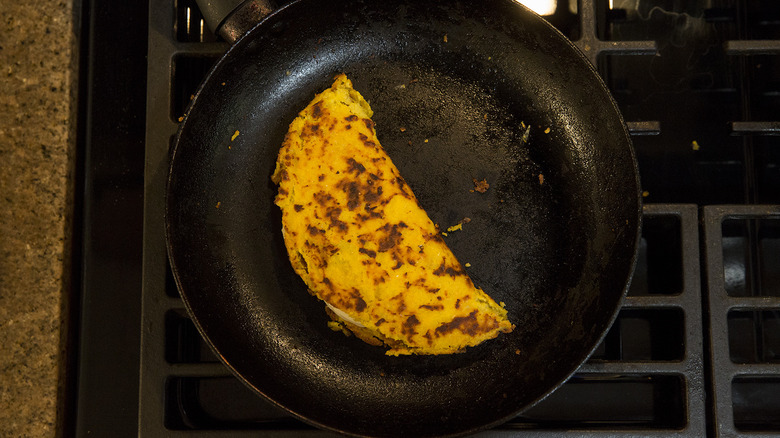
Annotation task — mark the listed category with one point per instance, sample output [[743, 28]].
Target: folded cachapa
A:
[[362, 243]]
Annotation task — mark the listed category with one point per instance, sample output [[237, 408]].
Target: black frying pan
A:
[[468, 77]]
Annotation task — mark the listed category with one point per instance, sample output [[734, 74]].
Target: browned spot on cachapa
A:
[[466, 324], [354, 166], [408, 327], [316, 110], [367, 252], [391, 239]]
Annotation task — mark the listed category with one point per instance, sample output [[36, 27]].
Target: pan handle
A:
[[232, 18]]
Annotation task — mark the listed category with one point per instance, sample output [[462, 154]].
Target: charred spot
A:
[[432, 307], [457, 303], [362, 137], [373, 176], [428, 336], [440, 270], [340, 225], [333, 213], [310, 129], [283, 175], [323, 198], [367, 252], [379, 279], [282, 191], [326, 280], [303, 263], [380, 321], [354, 166], [353, 195], [434, 290], [372, 213], [351, 118], [402, 224], [466, 324], [452, 272], [298, 207], [316, 110], [348, 127], [408, 326], [313, 231], [360, 304], [369, 124], [398, 265], [392, 239], [436, 237], [374, 196], [321, 177]]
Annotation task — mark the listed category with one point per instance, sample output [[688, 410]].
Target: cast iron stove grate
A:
[[699, 84]]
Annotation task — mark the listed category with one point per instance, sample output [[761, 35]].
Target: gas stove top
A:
[[695, 350]]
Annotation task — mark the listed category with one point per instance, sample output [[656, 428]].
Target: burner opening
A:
[[751, 267], [629, 401], [756, 403]]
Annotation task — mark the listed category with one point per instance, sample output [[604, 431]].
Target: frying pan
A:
[[483, 91]]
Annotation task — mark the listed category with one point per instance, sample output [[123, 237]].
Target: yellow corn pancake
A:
[[362, 243]]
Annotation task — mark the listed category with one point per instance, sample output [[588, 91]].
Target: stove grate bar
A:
[[736, 406], [652, 127], [204, 369], [593, 47], [752, 47], [766, 128], [626, 368]]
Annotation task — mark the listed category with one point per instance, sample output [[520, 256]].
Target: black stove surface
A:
[[695, 350]]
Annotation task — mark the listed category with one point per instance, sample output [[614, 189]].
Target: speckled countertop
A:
[[37, 127]]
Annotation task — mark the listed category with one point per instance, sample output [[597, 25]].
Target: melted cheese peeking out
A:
[[362, 243]]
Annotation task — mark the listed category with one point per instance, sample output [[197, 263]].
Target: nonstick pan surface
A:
[[454, 87]]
